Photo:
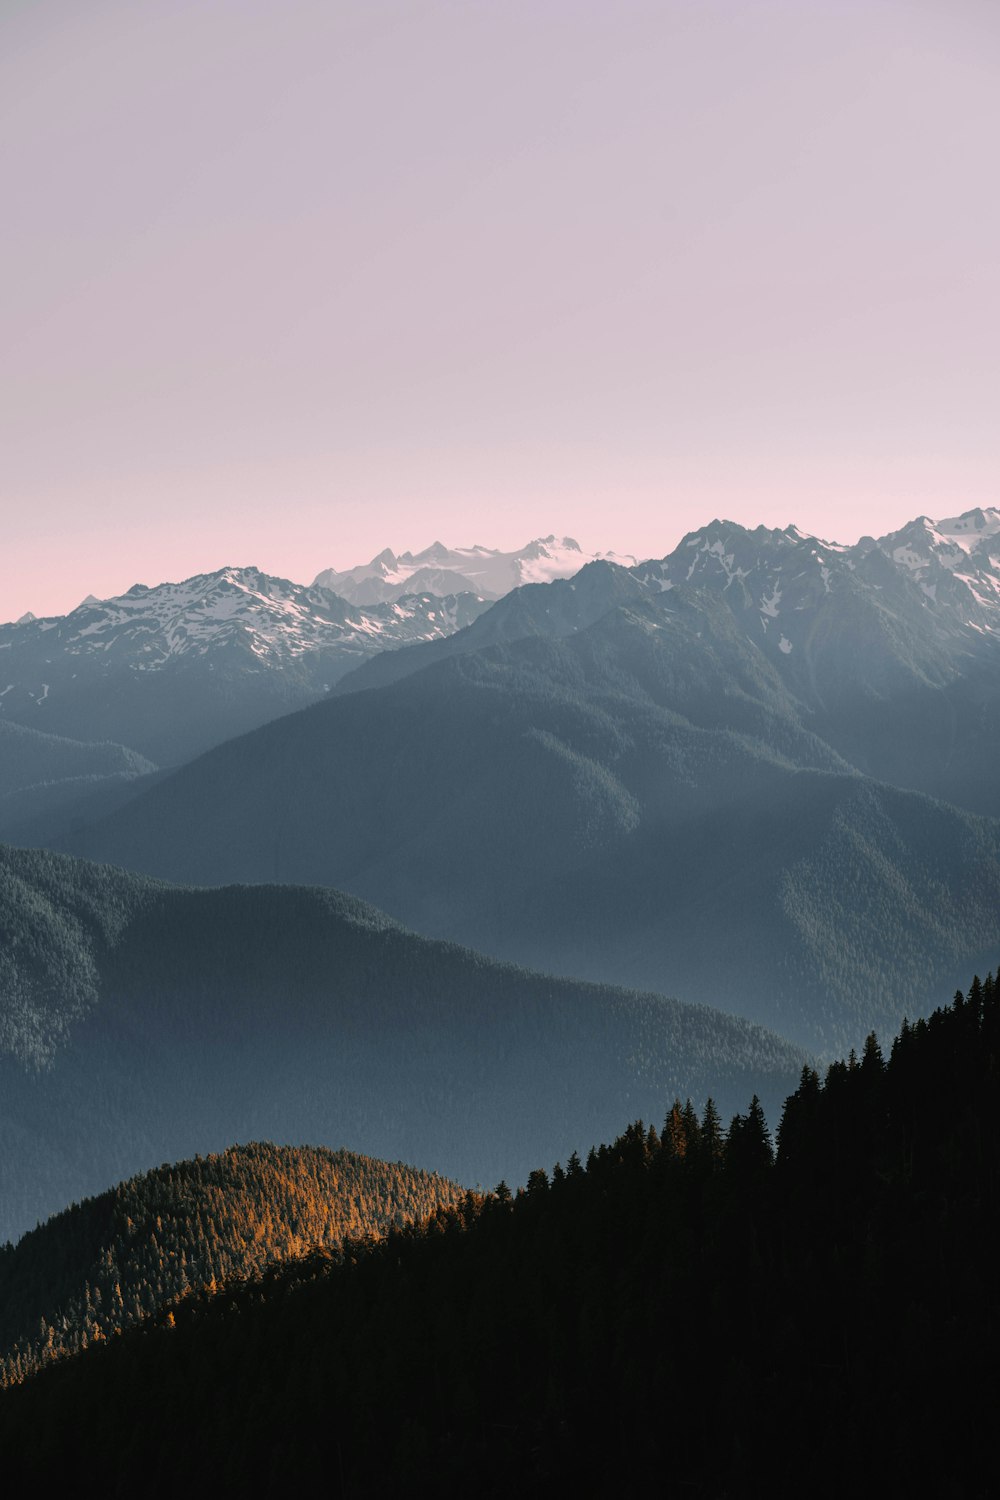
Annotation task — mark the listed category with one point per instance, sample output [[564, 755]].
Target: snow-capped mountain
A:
[[173, 669], [440, 569], [937, 580]]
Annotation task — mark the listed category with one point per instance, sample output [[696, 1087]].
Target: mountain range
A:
[[911, 621], [760, 775]]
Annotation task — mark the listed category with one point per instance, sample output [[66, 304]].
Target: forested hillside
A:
[[141, 1023], [108, 1262], [682, 1310]]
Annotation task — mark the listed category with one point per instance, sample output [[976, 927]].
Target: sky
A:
[[285, 282]]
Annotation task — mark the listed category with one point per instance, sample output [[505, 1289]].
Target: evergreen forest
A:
[[110, 1261]]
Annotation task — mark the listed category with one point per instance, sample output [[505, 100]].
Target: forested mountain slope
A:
[[682, 1306], [141, 1023], [113, 1260]]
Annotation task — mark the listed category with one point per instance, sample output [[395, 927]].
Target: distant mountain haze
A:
[[482, 570]]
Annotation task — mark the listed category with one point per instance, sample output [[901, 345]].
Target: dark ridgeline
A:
[[141, 1023], [111, 1261], [682, 1314]]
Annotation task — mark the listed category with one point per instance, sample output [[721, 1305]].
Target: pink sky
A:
[[285, 283]]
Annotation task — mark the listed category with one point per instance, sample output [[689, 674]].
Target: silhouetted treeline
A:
[[682, 1313]]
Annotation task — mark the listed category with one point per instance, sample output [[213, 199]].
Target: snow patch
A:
[[907, 558]]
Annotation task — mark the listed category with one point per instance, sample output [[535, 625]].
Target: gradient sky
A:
[[286, 281]]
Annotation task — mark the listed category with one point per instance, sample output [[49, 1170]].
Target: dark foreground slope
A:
[[642, 802], [142, 1023], [681, 1315], [111, 1261]]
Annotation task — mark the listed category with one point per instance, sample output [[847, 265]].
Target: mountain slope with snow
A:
[[173, 669], [936, 582]]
